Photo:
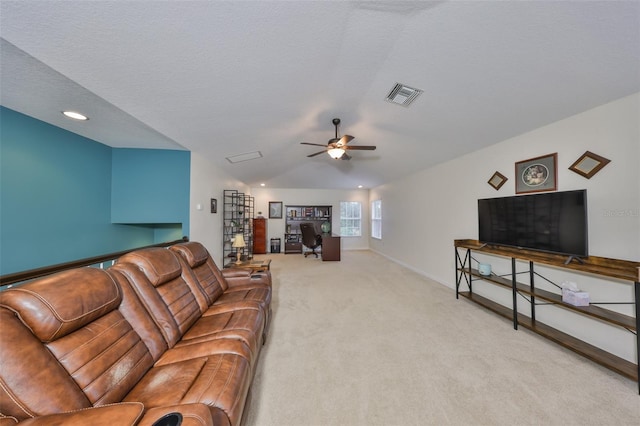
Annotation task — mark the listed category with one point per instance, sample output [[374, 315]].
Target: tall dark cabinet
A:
[[259, 235]]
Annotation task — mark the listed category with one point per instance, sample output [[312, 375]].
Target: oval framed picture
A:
[[537, 174]]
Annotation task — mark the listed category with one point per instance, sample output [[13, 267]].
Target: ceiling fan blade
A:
[[345, 139], [345, 156], [317, 153], [314, 144], [361, 147]]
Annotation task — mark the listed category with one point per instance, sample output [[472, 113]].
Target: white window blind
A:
[[376, 219], [350, 219]]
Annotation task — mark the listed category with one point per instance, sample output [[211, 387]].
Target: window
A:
[[376, 219], [350, 219]]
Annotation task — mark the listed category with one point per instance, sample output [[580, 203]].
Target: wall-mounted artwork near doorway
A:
[[275, 209]]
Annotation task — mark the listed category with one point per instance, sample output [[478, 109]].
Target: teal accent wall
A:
[[151, 186], [56, 191]]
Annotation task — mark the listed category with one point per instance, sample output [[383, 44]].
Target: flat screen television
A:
[[554, 222]]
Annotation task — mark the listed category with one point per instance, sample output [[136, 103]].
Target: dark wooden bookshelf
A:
[[604, 267]]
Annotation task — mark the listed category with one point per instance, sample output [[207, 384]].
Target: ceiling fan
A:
[[337, 147]]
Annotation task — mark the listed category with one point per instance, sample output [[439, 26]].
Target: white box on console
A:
[[575, 298]]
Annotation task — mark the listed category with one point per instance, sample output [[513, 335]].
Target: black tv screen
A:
[[553, 222]]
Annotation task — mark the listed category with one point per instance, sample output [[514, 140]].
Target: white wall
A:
[[325, 197], [425, 212], [208, 182]]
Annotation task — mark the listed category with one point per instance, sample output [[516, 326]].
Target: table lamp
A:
[[238, 243]]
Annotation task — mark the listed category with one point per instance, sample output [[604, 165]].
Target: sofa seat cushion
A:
[[201, 349], [247, 293], [133, 309], [175, 310], [106, 359], [218, 381], [245, 325], [210, 286], [86, 349]]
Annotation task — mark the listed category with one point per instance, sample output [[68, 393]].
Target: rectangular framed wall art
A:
[[275, 209], [537, 174]]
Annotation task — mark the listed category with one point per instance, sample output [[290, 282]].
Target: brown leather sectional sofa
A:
[[161, 331]]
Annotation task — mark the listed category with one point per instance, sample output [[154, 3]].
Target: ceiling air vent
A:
[[403, 95], [244, 157]]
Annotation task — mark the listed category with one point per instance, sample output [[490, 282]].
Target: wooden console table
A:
[[604, 267], [253, 265]]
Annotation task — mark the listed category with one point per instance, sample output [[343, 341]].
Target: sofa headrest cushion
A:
[[158, 264], [61, 303], [194, 253]]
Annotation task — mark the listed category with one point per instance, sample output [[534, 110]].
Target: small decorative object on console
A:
[[484, 269], [573, 296]]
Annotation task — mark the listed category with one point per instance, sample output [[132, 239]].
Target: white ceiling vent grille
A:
[[244, 157], [403, 95]]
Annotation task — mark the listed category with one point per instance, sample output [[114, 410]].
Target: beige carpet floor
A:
[[366, 341]]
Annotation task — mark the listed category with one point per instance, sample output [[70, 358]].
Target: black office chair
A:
[[310, 238]]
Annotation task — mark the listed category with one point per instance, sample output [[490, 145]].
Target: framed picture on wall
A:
[[589, 164], [214, 205], [275, 209], [497, 180], [537, 174]]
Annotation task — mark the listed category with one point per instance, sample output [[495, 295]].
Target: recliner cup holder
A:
[[171, 419]]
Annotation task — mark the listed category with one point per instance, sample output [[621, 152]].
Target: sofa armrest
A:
[[226, 308], [238, 278], [236, 272], [122, 414]]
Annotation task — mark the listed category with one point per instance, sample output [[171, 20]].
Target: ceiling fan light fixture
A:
[[336, 153]]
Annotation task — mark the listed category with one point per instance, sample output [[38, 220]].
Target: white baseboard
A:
[[417, 271]]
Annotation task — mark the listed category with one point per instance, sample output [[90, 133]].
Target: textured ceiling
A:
[[227, 78]]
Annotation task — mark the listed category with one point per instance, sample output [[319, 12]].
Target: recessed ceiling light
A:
[[359, 186], [262, 184], [75, 115]]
